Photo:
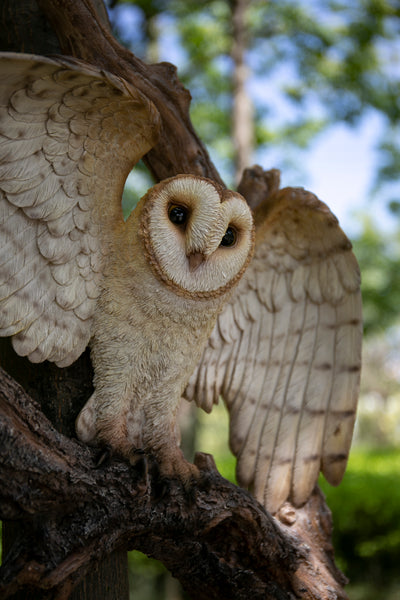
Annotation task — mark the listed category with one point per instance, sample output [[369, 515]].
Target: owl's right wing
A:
[[69, 135], [285, 352]]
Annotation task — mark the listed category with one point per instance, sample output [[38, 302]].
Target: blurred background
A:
[[311, 88]]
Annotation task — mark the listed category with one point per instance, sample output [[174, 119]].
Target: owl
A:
[[193, 296]]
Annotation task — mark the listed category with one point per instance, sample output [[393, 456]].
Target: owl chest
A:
[[150, 341], [168, 346]]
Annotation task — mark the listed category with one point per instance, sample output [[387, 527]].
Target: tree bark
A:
[[216, 539], [61, 392]]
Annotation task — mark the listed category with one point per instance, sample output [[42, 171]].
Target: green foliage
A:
[[213, 438], [366, 516], [389, 157], [147, 576], [379, 259]]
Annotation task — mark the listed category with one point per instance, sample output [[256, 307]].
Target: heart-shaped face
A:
[[198, 236]]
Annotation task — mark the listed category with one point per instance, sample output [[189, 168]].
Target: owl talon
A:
[[160, 488], [135, 455], [163, 487], [104, 456], [139, 460]]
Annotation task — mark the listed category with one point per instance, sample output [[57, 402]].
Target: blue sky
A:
[[339, 169]]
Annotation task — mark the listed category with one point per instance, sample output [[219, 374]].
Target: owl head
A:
[[198, 236]]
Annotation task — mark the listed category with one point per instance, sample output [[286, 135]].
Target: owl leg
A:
[[85, 424]]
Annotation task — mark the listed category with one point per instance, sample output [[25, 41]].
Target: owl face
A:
[[198, 237]]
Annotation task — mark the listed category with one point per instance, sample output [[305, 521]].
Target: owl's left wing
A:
[[285, 353]]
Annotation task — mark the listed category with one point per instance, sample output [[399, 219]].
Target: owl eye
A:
[[178, 214], [229, 238]]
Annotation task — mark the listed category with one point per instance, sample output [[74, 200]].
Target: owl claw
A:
[[164, 486], [104, 456], [136, 454], [139, 460]]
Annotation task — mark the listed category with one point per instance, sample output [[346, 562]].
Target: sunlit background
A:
[[323, 81]]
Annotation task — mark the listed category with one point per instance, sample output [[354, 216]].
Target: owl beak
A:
[[195, 260]]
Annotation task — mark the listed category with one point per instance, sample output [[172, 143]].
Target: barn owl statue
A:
[[187, 298]]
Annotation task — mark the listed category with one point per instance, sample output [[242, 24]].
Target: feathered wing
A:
[[69, 135], [285, 353]]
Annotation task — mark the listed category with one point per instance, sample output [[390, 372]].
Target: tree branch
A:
[[214, 537], [179, 150]]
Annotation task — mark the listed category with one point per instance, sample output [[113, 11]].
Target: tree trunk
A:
[[242, 110], [60, 392]]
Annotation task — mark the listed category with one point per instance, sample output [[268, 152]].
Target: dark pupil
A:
[[178, 215], [229, 238]]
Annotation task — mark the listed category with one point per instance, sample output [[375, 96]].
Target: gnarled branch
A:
[[214, 537]]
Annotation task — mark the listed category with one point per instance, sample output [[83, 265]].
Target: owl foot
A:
[[170, 470], [107, 452], [173, 465], [167, 487], [137, 458]]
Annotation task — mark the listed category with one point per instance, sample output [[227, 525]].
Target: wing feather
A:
[[237, 371], [277, 448], [257, 408], [342, 410], [67, 130], [239, 410], [286, 352]]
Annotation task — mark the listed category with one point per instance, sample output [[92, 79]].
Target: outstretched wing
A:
[[69, 135], [285, 353]]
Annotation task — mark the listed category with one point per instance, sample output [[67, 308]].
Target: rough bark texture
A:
[[215, 538]]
